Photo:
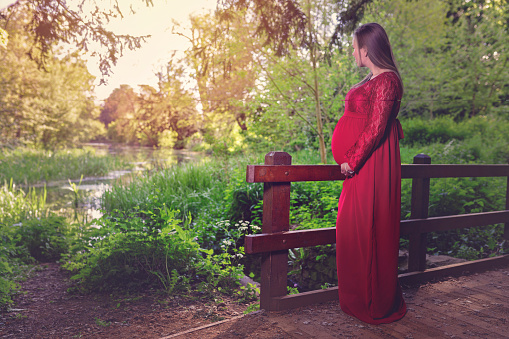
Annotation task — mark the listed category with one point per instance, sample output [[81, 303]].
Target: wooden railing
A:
[[273, 243]]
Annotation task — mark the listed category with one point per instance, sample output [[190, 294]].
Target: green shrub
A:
[[7, 286], [314, 204], [46, 239], [453, 196], [146, 247], [313, 267], [439, 130]]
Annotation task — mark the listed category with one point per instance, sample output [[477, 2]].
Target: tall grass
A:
[[16, 205], [29, 166], [188, 187]]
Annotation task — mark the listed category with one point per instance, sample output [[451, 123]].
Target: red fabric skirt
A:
[[367, 227]]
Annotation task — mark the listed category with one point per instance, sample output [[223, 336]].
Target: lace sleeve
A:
[[380, 108]]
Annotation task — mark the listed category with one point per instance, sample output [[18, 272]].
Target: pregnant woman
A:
[[366, 145]]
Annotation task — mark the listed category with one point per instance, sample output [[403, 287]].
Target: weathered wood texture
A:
[[295, 173], [418, 210], [318, 296], [259, 243], [506, 227], [277, 175], [276, 218]]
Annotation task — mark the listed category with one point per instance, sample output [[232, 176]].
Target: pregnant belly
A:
[[345, 135]]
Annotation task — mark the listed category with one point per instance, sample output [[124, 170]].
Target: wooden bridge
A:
[[277, 175], [473, 306]]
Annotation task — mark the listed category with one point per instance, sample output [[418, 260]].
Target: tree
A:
[[453, 56], [119, 105], [222, 64], [417, 33], [281, 22], [152, 115], [52, 107], [477, 50], [305, 29], [307, 68], [178, 103], [283, 111], [55, 21]]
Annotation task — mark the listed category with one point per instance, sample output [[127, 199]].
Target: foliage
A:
[[284, 116], [16, 205], [52, 22], [480, 139], [222, 64], [50, 107], [476, 140], [185, 188], [46, 239], [120, 104], [149, 247], [25, 228], [130, 246], [284, 23], [314, 204], [452, 55], [148, 117], [31, 165], [7, 286], [312, 267]]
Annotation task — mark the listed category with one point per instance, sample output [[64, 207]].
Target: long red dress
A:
[[367, 228]]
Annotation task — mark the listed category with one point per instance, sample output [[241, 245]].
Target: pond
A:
[[61, 195]]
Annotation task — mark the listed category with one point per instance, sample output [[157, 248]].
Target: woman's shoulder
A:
[[386, 76], [386, 79]]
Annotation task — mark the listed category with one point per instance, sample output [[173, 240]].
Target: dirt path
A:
[[475, 306], [47, 310]]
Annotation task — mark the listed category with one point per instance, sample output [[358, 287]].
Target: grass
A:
[[30, 166], [187, 187], [16, 204]]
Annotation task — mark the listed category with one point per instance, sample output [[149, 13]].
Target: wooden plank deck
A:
[[473, 306]]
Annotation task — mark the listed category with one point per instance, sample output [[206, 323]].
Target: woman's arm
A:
[[383, 99]]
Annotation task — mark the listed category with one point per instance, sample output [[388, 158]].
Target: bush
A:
[[46, 239], [7, 286], [146, 247], [439, 130], [16, 205], [313, 267]]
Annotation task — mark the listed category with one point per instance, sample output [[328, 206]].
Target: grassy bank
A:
[[30, 166]]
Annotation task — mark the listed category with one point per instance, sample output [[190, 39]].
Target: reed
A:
[[30, 166], [16, 204]]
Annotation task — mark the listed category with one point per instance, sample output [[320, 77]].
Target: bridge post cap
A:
[[422, 158], [278, 158]]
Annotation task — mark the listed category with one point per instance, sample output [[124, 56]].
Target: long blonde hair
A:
[[373, 37]]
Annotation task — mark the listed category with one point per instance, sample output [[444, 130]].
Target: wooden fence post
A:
[[419, 210], [506, 227], [276, 218]]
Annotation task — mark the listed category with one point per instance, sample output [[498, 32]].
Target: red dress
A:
[[367, 228]]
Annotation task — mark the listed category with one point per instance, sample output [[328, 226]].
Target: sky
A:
[[139, 67]]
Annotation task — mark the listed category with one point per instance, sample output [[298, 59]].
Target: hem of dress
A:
[[378, 321]]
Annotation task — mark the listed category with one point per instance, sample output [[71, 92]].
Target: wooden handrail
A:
[[296, 173], [258, 243]]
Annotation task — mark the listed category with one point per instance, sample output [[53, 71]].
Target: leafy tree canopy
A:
[[282, 21], [55, 21]]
